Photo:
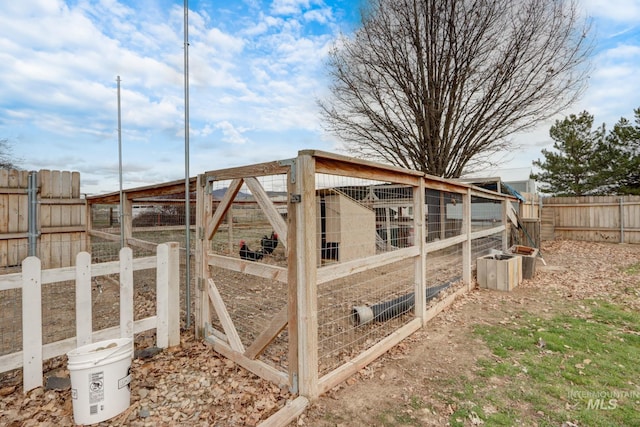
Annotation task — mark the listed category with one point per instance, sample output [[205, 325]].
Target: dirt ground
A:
[[190, 385]]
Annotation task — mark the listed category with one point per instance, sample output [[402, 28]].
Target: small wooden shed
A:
[[342, 219]]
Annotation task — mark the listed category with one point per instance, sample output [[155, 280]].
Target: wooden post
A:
[[126, 293], [306, 285], [88, 225], [621, 220], [443, 217], [467, 262], [419, 239], [229, 219], [84, 322], [292, 280], [505, 222], [127, 219], [168, 295], [31, 323], [387, 217]]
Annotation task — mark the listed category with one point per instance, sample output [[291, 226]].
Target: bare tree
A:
[[439, 85], [6, 159]]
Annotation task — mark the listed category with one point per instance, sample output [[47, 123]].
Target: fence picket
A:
[[167, 291], [126, 293], [30, 281], [84, 327], [31, 323]]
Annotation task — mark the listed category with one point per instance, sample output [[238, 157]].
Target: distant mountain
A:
[[220, 192]]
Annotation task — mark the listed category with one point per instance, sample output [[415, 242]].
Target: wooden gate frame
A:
[[229, 343]]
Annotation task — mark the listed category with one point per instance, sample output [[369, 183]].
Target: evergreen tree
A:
[[623, 165], [574, 167]]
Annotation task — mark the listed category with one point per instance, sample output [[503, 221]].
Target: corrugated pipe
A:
[[362, 314]]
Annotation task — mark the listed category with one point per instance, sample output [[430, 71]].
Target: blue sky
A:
[[256, 70]]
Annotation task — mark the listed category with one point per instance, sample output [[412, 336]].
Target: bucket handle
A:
[[107, 356]]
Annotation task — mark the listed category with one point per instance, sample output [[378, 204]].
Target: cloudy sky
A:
[[256, 70]]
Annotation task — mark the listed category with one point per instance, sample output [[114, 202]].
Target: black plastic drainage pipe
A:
[[381, 312]]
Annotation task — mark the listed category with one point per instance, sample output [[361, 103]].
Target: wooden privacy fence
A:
[[45, 212], [592, 218], [354, 236], [32, 278]]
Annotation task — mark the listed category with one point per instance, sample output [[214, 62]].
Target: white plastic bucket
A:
[[100, 377]]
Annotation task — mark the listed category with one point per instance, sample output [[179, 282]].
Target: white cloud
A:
[[289, 7], [621, 11], [323, 15], [231, 133]]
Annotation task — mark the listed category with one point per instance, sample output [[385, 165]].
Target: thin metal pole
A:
[[121, 214], [187, 204]]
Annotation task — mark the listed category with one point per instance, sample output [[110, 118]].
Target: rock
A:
[[144, 412], [147, 353], [143, 393], [57, 383]]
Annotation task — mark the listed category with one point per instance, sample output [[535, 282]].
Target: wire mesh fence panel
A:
[[444, 266], [343, 332], [252, 302], [58, 311], [183, 289], [154, 221], [103, 250], [105, 300], [247, 220], [10, 321], [104, 217], [485, 213], [357, 218], [165, 212], [486, 245], [444, 214]]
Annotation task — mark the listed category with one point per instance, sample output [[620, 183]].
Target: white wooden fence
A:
[[30, 280]]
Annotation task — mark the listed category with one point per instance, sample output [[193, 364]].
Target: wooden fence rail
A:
[[30, 281], [592, 218]]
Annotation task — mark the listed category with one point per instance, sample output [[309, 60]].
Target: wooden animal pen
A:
[[288, 317], [42, 211]]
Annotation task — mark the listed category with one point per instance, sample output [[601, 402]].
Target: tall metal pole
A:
[[187, 204], [121, 215]]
